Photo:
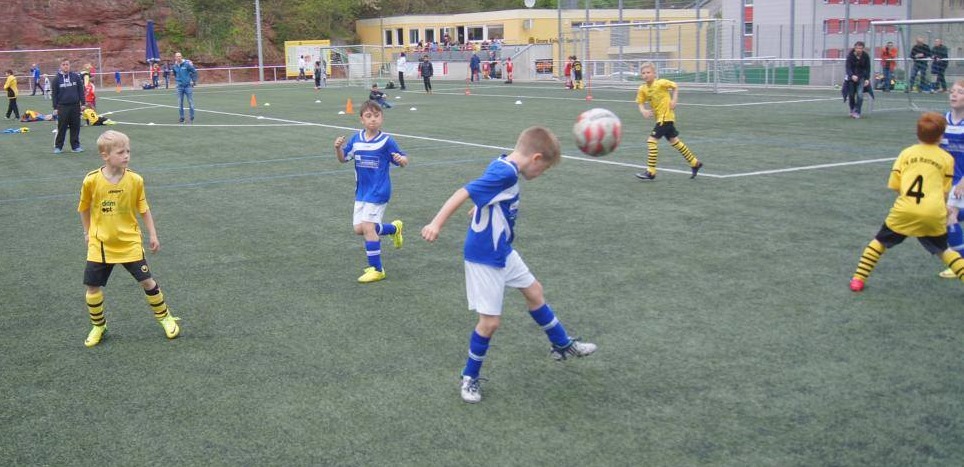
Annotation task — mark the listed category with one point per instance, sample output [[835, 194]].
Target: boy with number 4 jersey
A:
[[921, 176]]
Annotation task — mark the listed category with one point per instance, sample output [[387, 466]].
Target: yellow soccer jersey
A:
[[658, 95], [90, 115], [10, 86], [922, 178], [115, 236]]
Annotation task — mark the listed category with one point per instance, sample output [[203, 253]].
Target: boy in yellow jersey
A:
[[92, 119], [110, 199], [661, 95], [921, 176]]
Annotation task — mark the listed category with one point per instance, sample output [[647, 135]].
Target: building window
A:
[[413, 36], [832, 26], [388, 37], [747, 29], [495, 31], [430, 35], [399, 37], [748, 2], [475, 33]]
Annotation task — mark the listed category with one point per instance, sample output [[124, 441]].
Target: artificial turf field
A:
[[726, 331]]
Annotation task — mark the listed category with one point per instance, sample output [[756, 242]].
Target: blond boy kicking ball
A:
[[110, 199], [491, 264]]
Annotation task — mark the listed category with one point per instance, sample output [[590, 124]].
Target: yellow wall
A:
[[543, 28]]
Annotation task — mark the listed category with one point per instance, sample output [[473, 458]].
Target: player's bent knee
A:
[[534, 295]]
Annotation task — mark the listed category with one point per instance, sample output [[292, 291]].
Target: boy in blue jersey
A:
[[490, 262], [373, 152], [953, 143]]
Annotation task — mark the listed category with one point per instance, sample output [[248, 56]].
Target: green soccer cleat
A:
[[947, 274], [397, 239], [171, 328], [95, 335], [371, 275]]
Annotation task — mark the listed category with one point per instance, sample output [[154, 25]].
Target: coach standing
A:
[[185, 75], [67, 95]]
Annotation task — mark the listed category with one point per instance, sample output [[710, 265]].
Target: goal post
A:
[[48, 60], [924, 93], [686, 51]]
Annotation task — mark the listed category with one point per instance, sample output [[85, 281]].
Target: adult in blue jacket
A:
[[185, 76]]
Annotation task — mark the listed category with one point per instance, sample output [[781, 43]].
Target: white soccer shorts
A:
[[368, 212], [485, 285], [953, 201]]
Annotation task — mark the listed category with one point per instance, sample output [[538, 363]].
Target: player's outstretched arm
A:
[[431, 231], [153, 243]]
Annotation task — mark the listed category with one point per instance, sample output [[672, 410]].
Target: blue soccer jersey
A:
[[372, 162], [496, 198], [953, 142]]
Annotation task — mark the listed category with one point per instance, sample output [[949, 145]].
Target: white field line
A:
[[503, 148]]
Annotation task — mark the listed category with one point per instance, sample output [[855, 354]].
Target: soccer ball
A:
[[597, 132]]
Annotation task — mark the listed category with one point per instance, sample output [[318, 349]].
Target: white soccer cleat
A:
[[575, 348], [471, 390]]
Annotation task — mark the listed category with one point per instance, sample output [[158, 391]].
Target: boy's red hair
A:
[[930, 127]]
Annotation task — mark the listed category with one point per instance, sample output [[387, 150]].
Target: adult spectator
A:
[[400, 65], [302, 64], [426, 70], [939, 65], [35, 75], [920, 54], [888, 61], [858, 78], [167, 75], [67, 97], [185, 77], [475, 65]]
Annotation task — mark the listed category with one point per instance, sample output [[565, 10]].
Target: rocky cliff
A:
[[118, 27]]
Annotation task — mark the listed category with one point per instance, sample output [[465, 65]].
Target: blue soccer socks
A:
[[478, 346], [385, 229], [955, 238], [374, 251], [547, 320]]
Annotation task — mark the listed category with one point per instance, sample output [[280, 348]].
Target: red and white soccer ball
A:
[[597, 132]]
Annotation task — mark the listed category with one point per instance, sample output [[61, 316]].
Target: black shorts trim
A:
[[96, 274], [664, 130], [934, 245]]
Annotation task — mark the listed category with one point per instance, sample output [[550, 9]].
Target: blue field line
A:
[[232, 181]]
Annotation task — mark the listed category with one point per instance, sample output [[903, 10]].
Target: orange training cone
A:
[[348, 109], [118, 88], [254, 102]]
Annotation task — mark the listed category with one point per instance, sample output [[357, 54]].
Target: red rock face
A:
[[116, 26]]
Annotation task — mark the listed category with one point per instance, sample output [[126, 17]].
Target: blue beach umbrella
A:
[[151, 53]]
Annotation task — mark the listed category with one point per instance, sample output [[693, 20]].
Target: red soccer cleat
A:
[[857, 285]]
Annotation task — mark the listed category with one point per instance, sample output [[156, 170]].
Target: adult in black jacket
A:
[[921, 53], [425, 69], [68, 95], [858, 78]]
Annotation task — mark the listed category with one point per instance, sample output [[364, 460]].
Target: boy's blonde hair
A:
[[539, 139], [959, 83], [111, 139], [650, 65]]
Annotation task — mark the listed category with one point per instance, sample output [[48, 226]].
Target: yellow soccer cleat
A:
[[397, 239], [371, 275], [169, 323], [95, 335], [947, 274]]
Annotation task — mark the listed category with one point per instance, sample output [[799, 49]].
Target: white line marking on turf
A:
[[808, 167], [502, 148]]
